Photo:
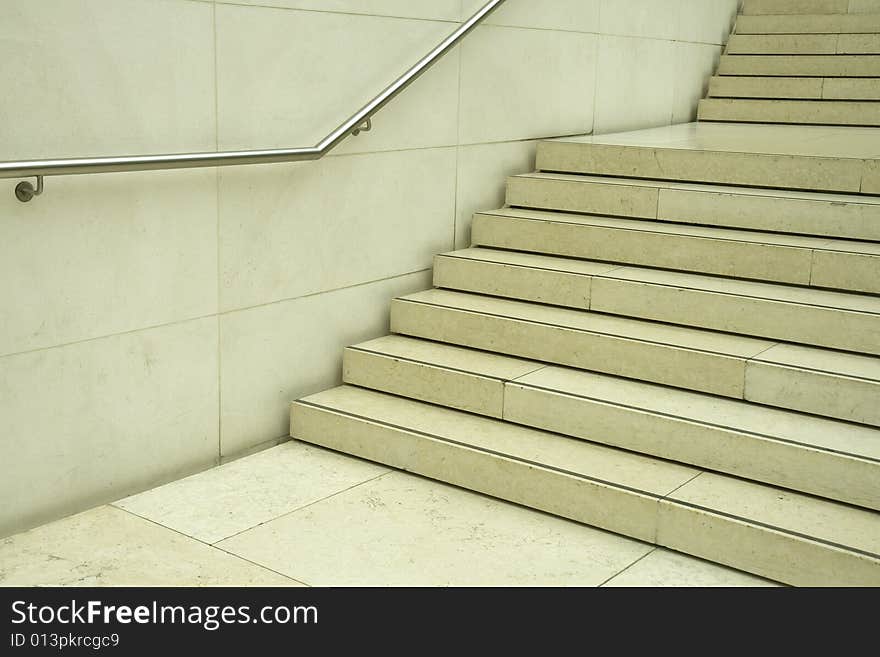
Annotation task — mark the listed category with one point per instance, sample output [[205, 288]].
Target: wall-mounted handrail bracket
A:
[[360, 121], [366, 126], [25, 190]]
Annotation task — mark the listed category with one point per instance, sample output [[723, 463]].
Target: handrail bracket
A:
[[25, 190], [366, 126]]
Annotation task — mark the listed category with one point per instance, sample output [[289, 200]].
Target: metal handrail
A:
[[360, 121]]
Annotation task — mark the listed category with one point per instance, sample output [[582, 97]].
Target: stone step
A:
[[812, 158], [823, 66], [804, 44], [814, 317], [774, 257], [821, 7], [868, 23], [809, 379], [770, 210], [729, 86], [836, 460], [433, 372], [786, 536], [813, 112]]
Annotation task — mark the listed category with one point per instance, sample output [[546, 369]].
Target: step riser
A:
[[856, 272], [521, 283], [847, 66], [774, 554], [804, 44], [824, 327], [750, 169], [668, 251], [813, 24], [830, 475], [795, 88], [805, 112], [435, 385], [707, 208], [762, 382], [844, 398], [718, 257]]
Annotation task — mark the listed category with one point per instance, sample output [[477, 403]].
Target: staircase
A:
[[673, 334]]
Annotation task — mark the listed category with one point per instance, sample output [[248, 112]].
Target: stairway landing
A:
[[807, 157]]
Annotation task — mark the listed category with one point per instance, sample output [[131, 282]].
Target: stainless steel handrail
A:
[[360, 121]]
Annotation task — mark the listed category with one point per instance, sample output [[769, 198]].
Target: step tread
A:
[[766, 506], [838, 142], [728, 286], [788, 194], [479, 363], [810, 358], [692, 231]]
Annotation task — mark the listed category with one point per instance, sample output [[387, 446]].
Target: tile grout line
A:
[[653, 549], [677, 488], [597, 51], [460, 53], [678, 25], [335, 289], [259, 565], [217, 246], [668, 497], [201, 542], [449, 21], [310, 504], [196, 318]]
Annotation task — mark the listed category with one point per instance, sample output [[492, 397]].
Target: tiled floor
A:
[[296, 515]]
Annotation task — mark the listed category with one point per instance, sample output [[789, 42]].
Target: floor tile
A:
[[110, 547], [224, 501], [402, 530]]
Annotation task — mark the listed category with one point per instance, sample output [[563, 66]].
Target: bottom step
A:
[[789, 537]]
